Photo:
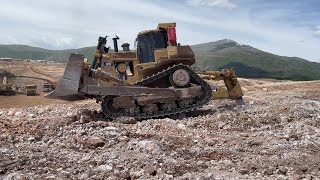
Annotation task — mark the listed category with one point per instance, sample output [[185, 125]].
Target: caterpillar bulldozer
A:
[[154, 80]]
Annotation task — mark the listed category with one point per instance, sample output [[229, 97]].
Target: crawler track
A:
[[197, 103]]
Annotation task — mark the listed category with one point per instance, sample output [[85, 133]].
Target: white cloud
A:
[[60, 24], [317, 31], [227, 4], [63, 42]]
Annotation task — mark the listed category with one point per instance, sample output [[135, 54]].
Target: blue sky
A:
[[283, 27]]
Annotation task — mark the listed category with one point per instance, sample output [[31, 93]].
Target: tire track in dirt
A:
[[47, 77]]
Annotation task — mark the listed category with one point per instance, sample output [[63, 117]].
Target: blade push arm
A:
[[231, 82]]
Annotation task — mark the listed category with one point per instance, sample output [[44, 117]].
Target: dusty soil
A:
[[21, 100], [30, 73], [51, 72], [276, 135]]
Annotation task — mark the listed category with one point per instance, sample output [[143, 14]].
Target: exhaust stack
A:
[[115, 43]]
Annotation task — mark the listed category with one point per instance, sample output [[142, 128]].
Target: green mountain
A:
[[29, 52], [252, 62], [248, 61]]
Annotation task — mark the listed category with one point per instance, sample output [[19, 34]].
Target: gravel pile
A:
[[276, 135]]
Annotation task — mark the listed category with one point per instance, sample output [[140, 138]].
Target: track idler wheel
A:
[[180, 78]]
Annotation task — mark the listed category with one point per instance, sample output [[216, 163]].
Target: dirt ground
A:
[[21, 100], [20, 68], [275, 135], [30, 73]]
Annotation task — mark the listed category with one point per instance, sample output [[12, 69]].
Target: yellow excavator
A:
[[154, 80]]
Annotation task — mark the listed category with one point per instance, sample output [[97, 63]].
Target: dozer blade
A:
[[233, 89], [68, 86]]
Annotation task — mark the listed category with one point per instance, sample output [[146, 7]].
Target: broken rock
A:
[[10, 113], [221, 124], [244, 171], [18, 114], [105, 167], [85, 118], [126, 120], [91, 142], [31, 115], [150, 146], [283, 170]]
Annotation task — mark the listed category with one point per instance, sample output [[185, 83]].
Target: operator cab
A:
[[150, 41]]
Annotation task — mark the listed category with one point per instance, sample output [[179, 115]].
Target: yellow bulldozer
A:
[[154, 80]]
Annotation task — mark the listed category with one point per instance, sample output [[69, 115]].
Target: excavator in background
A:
[[6, 88], [154, 80]]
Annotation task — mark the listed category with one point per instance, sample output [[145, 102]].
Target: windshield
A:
[[149, 42]]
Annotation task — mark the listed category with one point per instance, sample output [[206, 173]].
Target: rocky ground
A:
[[276, 135]]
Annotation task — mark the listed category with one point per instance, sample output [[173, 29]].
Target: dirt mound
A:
[[275, 135]]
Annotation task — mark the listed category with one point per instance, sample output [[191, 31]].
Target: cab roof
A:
[[161, 27]]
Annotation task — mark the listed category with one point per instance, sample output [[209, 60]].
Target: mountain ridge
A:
[[252, 62], [248, 61]]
